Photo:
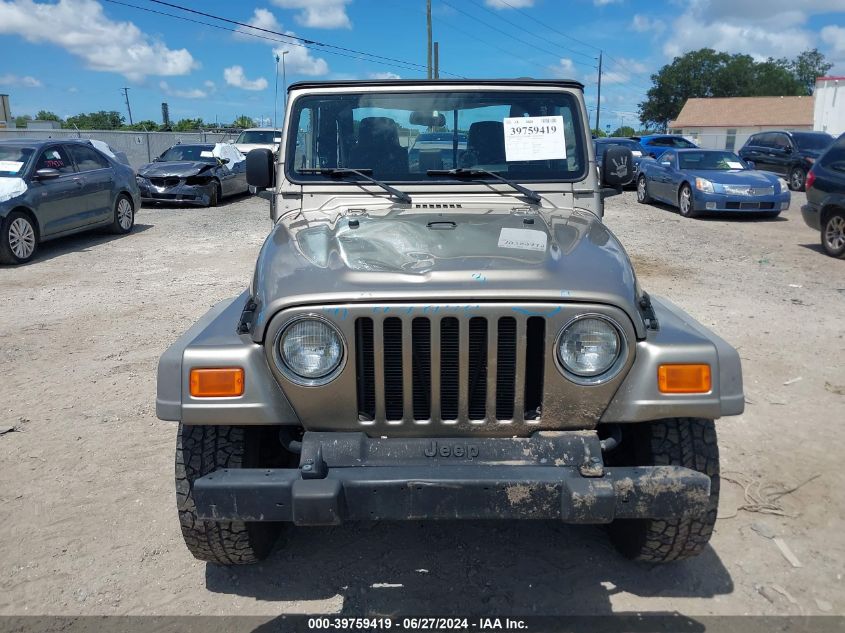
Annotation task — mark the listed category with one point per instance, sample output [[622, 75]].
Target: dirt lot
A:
[[87, 493]]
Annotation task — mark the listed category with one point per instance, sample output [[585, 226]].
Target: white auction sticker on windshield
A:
[[534, 138], [733, 164], [10, 165], [525, 239], [205, 154]]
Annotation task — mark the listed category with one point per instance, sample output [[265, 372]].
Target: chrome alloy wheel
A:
[[834, 233], [124, 214], [21, 238], [686, 201]]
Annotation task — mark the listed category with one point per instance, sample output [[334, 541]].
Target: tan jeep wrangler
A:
[[440, 326]]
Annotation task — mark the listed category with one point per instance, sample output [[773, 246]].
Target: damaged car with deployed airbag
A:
[[459, 337], [200, 175]]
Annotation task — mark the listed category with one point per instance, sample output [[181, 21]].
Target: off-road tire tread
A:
[[688, 442], [201, 450]]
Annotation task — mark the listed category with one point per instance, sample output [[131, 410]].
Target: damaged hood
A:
[[408, 255], [180, 169]]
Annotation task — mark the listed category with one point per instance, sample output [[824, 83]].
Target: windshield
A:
[[634, 146], [812, 141], [200, 153], [13, 160], [256, 137], [715, 161], [526, 136]]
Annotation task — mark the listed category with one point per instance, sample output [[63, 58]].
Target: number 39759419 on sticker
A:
[[534, 138]]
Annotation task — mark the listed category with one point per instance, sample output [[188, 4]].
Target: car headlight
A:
[[310, 351], [702, 184], [784, 186], [589, 346]]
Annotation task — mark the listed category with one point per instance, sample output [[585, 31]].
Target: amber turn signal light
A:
[[217, 382], [684, 378]]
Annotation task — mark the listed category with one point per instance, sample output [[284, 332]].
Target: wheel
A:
[[19, 238], [201, 450], [689, 442], [642, 190], [216, 194], [124, 215], [685, 202], [797, 177], [833, 234]]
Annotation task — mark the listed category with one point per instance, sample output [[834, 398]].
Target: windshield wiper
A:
[[340, 172], [477, 173]]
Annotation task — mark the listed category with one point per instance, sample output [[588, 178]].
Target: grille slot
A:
[[451, 369]]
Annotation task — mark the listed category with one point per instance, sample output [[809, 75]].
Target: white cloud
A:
[[319, 14], [82, 28], [16, 80], [190, 93], [298, 58], [645, 24], [775, 28], [509, 4], [384, 75], [564, 69], [235, 76], [834, 36]]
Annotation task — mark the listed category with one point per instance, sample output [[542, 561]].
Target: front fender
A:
[[680, 339], [213, 341]]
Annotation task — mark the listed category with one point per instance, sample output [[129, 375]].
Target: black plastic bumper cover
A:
[[348, 477]]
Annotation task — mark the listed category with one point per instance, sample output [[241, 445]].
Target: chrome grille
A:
[[449, 369], [745, 190]]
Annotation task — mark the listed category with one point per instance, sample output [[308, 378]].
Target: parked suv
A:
[[789, 154], [825, 208], [431, 343]]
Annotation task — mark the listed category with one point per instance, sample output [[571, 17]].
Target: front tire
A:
[[833, 234], [18, 238], [124, 215], [687, 442], [797, 179], [216, 194], [201, 450], [685, 203], [642, 190]]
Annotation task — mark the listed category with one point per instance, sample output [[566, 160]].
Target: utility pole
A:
[[428, 23], [598, 99], [126, 96], [276, 93], [284, 86], [437, 60]]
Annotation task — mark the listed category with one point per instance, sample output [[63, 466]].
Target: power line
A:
[[322, 45], [533, 45]]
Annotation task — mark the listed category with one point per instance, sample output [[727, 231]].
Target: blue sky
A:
[[73, 56]]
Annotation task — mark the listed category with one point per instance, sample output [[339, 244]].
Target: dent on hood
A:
[[11, 188]]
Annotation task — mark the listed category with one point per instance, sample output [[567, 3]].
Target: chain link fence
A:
[[139, 147]]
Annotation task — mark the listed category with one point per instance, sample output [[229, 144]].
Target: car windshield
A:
[[258, 137], [710, 160], [201, 153], [14, 160], [401, 136], [816, 141]]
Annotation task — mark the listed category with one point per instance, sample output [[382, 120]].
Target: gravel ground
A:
[[87, 475]]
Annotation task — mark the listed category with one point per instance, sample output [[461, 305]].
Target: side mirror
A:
[[788, 149], [617, 167], [751, 164], [259, 168], [47, 174]]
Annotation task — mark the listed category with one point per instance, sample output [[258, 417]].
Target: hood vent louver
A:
[[438, 205]]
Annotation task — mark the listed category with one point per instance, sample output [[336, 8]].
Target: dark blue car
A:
[[656, 144], [701, 181]]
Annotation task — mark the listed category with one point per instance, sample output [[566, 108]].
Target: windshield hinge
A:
[[647, 312]]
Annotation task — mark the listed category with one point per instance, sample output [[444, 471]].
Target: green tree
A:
[[599, 133], [140, 126], [22, 121], [707, 73], [807, 67], [46, 115], [102, 120], [625, 130], [186, 125], [243, 121]]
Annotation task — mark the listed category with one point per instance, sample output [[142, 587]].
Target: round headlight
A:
[[311, 350], [589, 346]]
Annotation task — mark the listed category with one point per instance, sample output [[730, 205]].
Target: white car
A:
[[258, 138]]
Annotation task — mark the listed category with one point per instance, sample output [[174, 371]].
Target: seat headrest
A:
[[379, 129]]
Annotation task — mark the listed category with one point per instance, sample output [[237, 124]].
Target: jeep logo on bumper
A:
[[445, 449]]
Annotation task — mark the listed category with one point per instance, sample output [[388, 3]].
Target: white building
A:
[[727, 122], [829, 112]]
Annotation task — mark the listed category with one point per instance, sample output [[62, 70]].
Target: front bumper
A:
[[720, 202], [812, 216], [550, 475], [180, 194]]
